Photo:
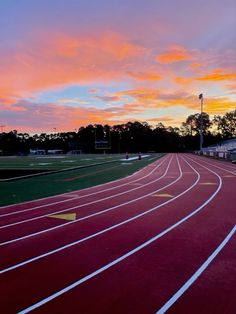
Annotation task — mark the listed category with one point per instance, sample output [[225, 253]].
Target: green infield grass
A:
[[52, 162], [36, 187]]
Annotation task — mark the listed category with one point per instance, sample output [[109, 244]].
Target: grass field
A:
[[51, 184], [53, 162]]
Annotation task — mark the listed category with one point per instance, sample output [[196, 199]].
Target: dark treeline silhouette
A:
[[132, 137]]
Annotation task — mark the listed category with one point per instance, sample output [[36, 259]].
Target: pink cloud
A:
[[56, 59], [92, 91], [108, 98], [44, 117]]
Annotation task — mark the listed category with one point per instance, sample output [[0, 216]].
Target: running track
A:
[[161, 240]]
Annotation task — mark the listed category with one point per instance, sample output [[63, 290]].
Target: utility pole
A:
[[201, 122]]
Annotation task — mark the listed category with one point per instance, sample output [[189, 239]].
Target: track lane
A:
[[64, 303], [95, 246], [97, 288], [142, 283], [218, 279]]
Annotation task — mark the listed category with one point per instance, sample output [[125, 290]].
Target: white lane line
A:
[[94, 214], [100, 232], [121, 258], [195, 276], [89, 188], [86, 195], [200, 160], [219, 162], [82, 205], [213, 165]]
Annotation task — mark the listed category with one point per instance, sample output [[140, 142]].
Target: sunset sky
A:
[[68, 63]]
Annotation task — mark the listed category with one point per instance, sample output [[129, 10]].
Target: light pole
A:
[[201, 122]]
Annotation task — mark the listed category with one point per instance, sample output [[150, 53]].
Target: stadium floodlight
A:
[[201, 122]]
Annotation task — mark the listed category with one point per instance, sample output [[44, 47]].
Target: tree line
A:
[[132, 137]]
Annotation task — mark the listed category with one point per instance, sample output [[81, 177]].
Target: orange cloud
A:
[[183, 80], [219, 105], [217, 75], [153, 98], [141, 94], [194, 66], [174, 54]]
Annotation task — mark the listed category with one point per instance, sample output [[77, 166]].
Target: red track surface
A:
[[161, 240]]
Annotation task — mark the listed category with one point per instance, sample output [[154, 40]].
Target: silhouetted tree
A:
[[226, 125]]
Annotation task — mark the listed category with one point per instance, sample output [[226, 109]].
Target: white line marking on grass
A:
[[77, 206], [92, 215], [195, 276], [44, 163], [86, 195], [121, 258]]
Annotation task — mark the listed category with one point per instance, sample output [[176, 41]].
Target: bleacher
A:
[[224, 149]]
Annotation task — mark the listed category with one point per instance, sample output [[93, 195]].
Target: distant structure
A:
[[45, 152], [37, 152], [55, 151], [225, 149]]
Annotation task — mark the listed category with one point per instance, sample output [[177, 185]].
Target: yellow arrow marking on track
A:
[[71, 216], [207, 183], [163, 195]]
